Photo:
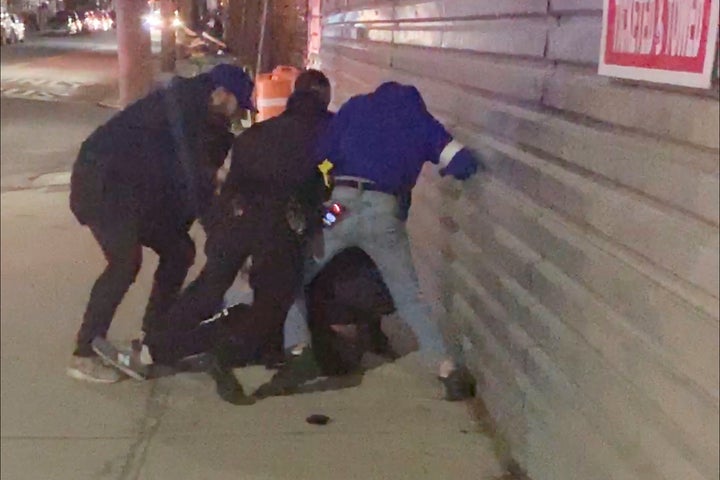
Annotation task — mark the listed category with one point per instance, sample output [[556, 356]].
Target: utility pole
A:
[[261, 40], [189, 13], [134, 52], [235, 30], [167, 40]]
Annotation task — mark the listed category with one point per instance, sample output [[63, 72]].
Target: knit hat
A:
[[236, 81]]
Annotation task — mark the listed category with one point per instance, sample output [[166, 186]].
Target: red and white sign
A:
[[665, 41]]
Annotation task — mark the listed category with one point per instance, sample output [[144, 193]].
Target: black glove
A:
[[463, 165]]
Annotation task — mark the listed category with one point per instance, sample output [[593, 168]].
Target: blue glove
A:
[[463, 165]]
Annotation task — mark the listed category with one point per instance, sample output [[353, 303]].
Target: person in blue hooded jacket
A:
[[141, 180], [378, 144]]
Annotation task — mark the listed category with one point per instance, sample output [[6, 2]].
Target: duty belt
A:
[[362, 185]]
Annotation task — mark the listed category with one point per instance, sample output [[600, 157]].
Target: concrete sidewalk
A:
[[393, 426]]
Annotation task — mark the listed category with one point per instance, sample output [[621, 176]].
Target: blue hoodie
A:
[[385, 136]]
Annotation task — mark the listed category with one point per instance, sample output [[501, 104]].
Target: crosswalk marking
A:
[[30, 94], [43, 82], [39, 88]]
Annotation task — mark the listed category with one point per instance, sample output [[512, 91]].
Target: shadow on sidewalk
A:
[[320, 382]]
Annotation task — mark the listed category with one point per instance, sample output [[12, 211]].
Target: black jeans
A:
[[275, 276], [121, 241]]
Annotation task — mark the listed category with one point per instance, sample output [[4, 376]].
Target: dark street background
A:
[[50, 90]]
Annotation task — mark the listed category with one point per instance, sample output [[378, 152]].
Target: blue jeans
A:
[[371, 223]]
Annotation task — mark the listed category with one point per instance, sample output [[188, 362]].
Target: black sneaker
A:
[[459, 385], [227, 385], [298, 370]]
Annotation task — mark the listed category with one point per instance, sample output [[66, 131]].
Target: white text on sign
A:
[[660, 27]]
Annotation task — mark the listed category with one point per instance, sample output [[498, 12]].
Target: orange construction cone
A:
[[272, 91]]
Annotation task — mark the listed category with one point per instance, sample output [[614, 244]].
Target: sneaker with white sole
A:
[[129, 362], [92, 369]]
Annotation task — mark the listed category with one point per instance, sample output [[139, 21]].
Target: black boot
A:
[[459, 385], [296, 371], [227, 385]]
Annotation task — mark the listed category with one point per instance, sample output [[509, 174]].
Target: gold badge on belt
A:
[[325, 168]]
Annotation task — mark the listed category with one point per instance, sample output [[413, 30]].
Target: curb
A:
[[13, 183], [51, 180], [112, 104]]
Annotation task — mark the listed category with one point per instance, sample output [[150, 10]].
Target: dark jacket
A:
[[275, 164], [156, 160], [349, 290]]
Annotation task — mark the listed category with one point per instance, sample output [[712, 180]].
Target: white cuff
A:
[[449, 153], [216, 317]]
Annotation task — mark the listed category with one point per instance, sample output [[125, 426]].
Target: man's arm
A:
[[227, 202], [185, 113], [451, 156], [217, 142]]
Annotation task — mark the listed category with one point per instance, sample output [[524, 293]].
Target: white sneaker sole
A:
[[84, 377]]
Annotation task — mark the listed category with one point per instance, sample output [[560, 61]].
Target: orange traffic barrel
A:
[[272, 91], [286, 72]]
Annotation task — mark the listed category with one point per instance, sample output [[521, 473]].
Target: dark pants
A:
[[121, 242], [275, 276]]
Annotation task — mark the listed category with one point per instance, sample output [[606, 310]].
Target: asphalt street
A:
[[38, 46], [50, 90], [42, 137]]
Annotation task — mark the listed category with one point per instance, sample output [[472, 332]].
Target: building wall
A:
[[580, 274]]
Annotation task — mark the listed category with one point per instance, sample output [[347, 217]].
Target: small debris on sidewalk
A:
[[318, 419]]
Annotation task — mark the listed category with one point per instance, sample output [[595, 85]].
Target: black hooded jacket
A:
[[156, 160]]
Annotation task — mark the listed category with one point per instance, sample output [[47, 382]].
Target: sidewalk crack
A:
[[155, 408]]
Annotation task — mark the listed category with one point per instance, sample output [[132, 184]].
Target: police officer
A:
[[142, 179], [268, 208], [308, 81], [378, 144]]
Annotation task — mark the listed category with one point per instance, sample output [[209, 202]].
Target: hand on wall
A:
[[463, 165]]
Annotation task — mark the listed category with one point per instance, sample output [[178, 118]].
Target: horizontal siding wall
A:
[[580, 274]]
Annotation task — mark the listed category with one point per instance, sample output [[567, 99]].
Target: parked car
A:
[[65, 22], [96, 21], [91, 23], [13, 28], [106, 21], [4, 26], [78, 21], [18, 28]]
